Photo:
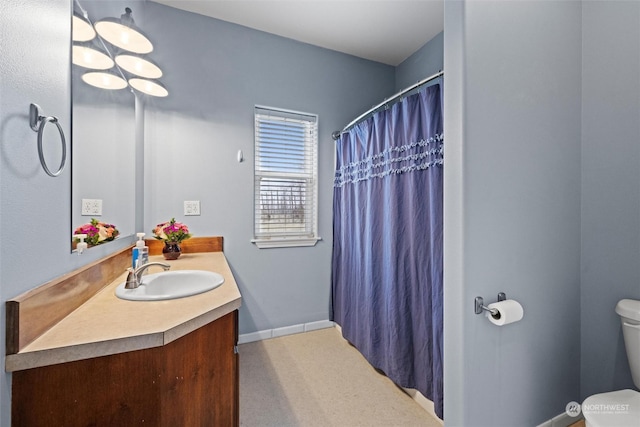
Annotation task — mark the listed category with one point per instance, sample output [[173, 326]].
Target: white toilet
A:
[[620, 408]]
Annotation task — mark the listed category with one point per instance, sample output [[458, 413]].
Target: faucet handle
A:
[[134, 277], [131, 282]]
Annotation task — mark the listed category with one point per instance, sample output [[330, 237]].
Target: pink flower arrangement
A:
[[171, 231], [97, 232]]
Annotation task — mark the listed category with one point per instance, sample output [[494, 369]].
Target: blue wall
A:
[[610, 269], [541, 201], [512, 208], [425, 62], [216, 72]]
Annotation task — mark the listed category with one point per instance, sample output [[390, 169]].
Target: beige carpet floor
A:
[[318, 379]]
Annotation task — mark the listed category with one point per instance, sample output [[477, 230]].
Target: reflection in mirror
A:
[[103, 116], [103, 141]]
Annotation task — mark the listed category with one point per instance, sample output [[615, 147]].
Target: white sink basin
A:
[[171, 285]]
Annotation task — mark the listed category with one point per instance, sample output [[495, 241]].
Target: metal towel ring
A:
[[37, 123]]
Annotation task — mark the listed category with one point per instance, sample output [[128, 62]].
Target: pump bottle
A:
[[140, 253]]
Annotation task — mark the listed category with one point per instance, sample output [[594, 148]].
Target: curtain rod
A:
[[335, 135]]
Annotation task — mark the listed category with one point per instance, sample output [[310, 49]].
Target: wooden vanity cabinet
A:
[[192, 381]]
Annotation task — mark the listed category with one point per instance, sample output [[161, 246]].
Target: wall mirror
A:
[[103, 131]]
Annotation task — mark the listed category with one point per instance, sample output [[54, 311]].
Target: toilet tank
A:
[[629, 311]]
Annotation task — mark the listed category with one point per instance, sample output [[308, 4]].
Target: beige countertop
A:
[[107, 325]]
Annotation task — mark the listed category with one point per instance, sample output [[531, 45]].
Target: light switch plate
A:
[[91, 207], [191, 207]]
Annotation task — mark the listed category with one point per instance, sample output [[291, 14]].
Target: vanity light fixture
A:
[[123, 33], [139, 66], [104, 80], [82, 30], [149, 87], [113, 72], [89, 57]]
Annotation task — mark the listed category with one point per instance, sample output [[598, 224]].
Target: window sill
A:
[[285, 242]]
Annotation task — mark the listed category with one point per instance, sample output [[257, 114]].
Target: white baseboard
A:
[[287, 330], [255, 336], [320, 324], [562, 420], [423, 402]]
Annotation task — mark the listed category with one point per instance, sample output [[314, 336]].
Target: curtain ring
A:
[[37, 123]]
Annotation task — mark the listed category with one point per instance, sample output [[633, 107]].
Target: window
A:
[[285, 178]]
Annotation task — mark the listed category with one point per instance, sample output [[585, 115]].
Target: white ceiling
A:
[[386, 31]]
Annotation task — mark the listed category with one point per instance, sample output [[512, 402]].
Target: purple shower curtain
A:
[[387, 241]]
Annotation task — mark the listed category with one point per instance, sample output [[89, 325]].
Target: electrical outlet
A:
[[192, 207], [91, 207]]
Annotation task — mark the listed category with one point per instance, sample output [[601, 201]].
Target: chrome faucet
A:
[[135, 276]]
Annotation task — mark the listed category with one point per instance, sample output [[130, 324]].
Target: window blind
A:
[[286, 169]]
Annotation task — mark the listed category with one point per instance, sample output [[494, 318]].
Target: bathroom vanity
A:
[[112, 362]]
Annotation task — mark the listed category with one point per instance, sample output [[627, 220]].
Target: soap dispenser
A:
[[81, 245], [140, 252]]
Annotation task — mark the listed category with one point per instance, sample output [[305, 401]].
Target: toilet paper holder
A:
[[479, 304]]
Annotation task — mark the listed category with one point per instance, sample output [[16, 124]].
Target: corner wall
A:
[[216, 73], [427, 61], [610, 211], [512, 203]]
